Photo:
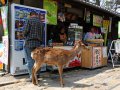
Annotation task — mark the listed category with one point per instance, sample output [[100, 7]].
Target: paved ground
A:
[[104, 78]]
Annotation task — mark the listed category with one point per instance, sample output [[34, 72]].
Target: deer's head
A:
[[79, 44]]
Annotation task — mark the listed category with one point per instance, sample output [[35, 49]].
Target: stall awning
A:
[[98, 7]]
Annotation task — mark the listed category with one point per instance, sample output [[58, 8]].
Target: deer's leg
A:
[[60, 69], [33, 77], [36, 67]]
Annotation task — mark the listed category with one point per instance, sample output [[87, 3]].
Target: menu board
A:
[[97, 20]]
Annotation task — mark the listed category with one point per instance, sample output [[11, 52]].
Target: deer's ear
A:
[[79, 41]]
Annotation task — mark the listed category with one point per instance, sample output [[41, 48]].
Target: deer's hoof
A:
[[34, 83], [39, 85], [62, 85]]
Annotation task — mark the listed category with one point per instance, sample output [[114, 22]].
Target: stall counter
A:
[[94, 57]]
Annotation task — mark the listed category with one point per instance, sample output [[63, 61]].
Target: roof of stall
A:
[[98, 7]]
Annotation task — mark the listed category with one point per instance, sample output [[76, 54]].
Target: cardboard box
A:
[[94, 57], [86, 58]]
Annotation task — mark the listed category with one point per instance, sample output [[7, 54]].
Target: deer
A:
[[53, 56]]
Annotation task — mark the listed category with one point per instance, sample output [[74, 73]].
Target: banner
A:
[[106, 24], [51, 7], [4, 14], [1, 55]]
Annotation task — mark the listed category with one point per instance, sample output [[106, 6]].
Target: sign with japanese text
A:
[[97, 56]]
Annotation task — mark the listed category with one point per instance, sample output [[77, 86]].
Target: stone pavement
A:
[[116, 87], [1, 73], [104, 78]]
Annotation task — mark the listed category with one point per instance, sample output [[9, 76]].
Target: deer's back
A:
[[56, 56]]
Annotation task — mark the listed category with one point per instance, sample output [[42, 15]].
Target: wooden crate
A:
[[88, 57]]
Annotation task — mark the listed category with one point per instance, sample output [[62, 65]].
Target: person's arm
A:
[[86, 36]]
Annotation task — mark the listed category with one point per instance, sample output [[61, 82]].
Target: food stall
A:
[[96, 56], [72, 21]]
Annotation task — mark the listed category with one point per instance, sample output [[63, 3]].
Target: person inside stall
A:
[[92, 34], [62, 35]]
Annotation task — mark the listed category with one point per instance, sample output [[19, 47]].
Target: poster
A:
[[97, 20], [97, 56], [1, 55], [4, 14], [51, 7]]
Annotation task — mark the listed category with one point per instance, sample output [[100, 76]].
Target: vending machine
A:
[[19, 15]]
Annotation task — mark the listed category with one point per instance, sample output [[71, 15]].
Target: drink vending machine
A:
[[19, 15]]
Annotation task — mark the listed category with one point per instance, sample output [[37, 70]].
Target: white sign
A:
[[5, 50], [117, 46], [104, 52], [97, 56]]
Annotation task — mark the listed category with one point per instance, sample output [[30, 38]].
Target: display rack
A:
[[114, 52]]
